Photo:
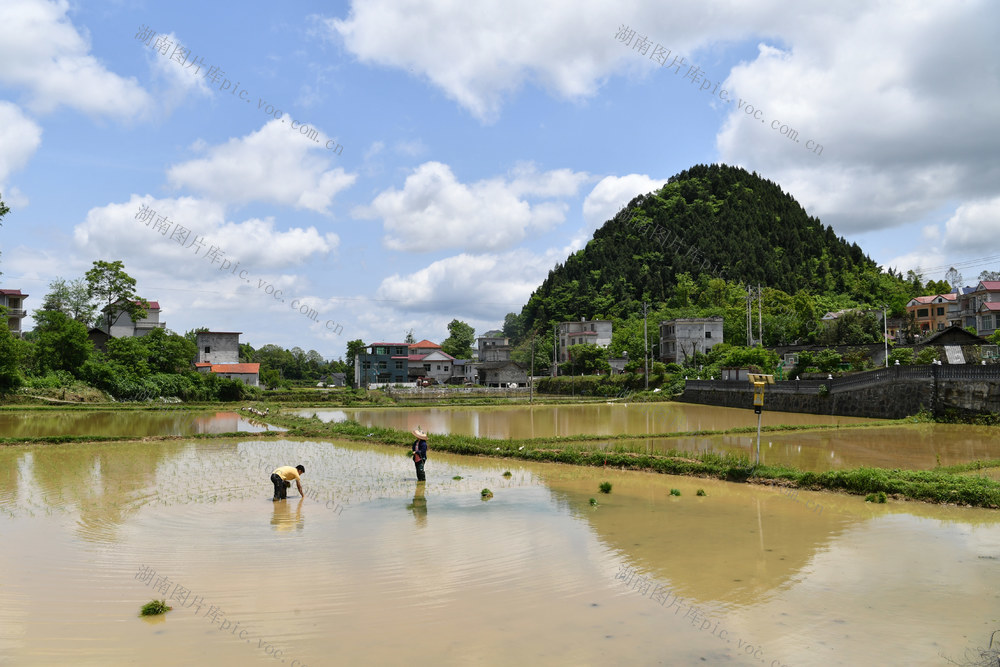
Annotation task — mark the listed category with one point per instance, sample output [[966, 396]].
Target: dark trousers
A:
[[420, 470], [280, 492]]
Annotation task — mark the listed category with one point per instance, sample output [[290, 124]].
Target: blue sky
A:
[[472, 145]]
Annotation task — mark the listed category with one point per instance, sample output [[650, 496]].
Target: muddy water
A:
[[371, 568], [546, 421], [37, 423]]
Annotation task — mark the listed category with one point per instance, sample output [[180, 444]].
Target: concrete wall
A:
[[224, 347], [886, 393]]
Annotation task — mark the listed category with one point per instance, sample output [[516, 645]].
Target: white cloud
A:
[[435, 211], [43, 53], [177, 82], [113, 231], [470, 286], [905, 128], [975, 227], [614, 192], [274, 164], [20, 137]]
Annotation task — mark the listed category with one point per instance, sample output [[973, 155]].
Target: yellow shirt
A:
[[287, 473]]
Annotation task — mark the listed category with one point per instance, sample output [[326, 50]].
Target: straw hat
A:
[[420, 435]]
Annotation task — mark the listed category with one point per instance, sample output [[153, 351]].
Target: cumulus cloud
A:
[[44, 54], [614, 192], [274, 164], [113, 230], [20, 137], [974, 226], [904, 128], [434, 210], [471, 286]]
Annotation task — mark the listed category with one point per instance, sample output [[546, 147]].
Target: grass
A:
[[154, 608], [605, 487]]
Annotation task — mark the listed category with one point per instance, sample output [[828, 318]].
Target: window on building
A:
[[940, 311], [382, 365], [427, 367], [921, 312], [399, 365], [207, 349], [439, 366], [708, 334]]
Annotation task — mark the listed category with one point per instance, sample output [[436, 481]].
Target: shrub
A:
[[700, 492], [605, 487], [675, 492]]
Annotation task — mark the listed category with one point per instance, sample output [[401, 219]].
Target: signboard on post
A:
[[759, 381]]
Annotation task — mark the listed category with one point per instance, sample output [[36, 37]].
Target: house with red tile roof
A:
[[975, 307], [219, 353], [934, 312]]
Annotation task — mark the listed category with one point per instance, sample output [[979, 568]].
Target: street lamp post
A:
[[885, 335]]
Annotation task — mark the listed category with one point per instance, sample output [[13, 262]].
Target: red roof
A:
[[236, 368], [424, 343], [200, 364], [991, 305], [416, 357], [925, 299], [990, 285], [12, 292], [153, 305]]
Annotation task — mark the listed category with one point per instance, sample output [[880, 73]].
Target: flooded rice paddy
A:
[[371, 568], [918, 446], [144, 423]]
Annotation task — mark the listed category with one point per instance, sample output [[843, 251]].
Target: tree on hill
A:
[[61, 343], [459, 343]]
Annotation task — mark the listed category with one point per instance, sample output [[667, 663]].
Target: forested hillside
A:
[[706, 225]]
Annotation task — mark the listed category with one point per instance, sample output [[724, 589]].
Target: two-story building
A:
[[978, 306], [219, 354], [13, 300], [493, 346], [596, 332], [682, 338], [437, 365], [934, 312], [382, 363], [123, 326]]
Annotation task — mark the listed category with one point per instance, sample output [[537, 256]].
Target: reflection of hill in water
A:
[[37, 423], [737, 545]]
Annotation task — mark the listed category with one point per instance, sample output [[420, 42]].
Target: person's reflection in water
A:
[[419, 505], [284, 520]]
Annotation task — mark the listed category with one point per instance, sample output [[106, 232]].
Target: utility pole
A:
[[885, 335], [749, 317], [555, 346], [645, 343], [760, 316], [531, 378]]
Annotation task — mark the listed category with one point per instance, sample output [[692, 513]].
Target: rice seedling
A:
[[700, 492], [154, 607], [486, 494], [593, 502], [507, 473], [605, 487], [675, 492]]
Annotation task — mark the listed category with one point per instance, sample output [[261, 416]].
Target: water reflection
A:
[[284, 519], [419, 504], [138, 423]]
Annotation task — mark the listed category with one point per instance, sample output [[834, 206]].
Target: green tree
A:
[[70, 298], [459, 343], [128, 354], [3, 211], [61, 343], [114, 289], [354, 348], [10, 356], [410, 340], [192, 335], [904, 355], [512, 327], [586, 359], [166, 352]]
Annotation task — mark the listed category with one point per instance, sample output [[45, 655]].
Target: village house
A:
[[979, 307], [596, 332], [13, 300], [681, 339], [383, 363], [933, 312], [219, 354], [123, 326]]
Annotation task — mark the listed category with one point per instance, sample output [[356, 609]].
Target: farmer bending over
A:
[[281, 478]]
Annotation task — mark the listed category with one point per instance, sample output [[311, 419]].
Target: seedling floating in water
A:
[[486, 494], [875, 497], [675, 492], [506, 474], [457, 477], [605, 487], [700, 492], [155, 607], [593, 502]]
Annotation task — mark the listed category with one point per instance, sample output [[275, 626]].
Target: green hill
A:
[[711, 222]]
